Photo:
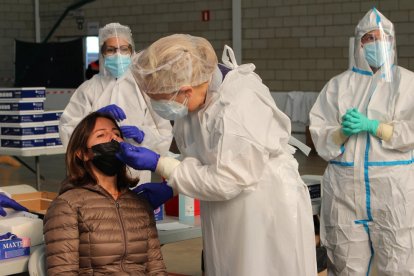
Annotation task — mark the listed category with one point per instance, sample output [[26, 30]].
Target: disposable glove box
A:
[[14, 247], [23, 227]]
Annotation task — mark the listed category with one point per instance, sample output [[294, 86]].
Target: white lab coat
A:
[[368, 191], [255, 210], [103, 90]]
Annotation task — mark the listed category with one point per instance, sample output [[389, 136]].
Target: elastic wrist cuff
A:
[[339, 137], [166, 165], [385, 131]]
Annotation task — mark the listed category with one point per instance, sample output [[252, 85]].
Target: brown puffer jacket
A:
[[87, 232]]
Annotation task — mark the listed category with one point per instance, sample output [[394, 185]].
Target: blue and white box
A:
[[21, 118], [22, 93], [29, 141], [22, 129], [52, 140], [52, 115], [21, 106], [50, 129], [14, 247]]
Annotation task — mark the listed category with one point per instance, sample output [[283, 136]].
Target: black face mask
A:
[[104, 158]]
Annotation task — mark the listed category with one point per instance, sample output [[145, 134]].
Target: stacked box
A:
[[23, 121], [51, 120]]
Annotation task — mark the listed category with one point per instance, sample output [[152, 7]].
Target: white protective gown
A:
[[256, 211], [103, 90], [368, 191]]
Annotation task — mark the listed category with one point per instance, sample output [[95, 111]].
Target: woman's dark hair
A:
[[79, 172]]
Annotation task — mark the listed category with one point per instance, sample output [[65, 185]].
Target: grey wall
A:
[[295, 44]]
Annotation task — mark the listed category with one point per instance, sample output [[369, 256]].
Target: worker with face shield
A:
[[363, 124], [255, 210], [114, 91]]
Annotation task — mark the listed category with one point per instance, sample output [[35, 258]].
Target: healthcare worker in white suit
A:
[[115, 91], [255, 210], [363, 124]]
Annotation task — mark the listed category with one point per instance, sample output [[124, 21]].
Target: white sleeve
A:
[[245, 141], [402, 138], [77, 108], [325, 122], [158, 137]]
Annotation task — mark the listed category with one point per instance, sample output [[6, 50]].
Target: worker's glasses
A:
[[123, 50], [367, 38]]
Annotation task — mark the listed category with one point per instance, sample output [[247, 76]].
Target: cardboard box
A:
[[36, 202], [14, 247]]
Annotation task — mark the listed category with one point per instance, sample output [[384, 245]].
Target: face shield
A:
[[375, 48], [375, 55], [116, 45]]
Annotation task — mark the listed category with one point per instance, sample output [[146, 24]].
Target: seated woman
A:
[[97, 226]]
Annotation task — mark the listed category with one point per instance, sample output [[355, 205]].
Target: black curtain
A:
[[58, 65]]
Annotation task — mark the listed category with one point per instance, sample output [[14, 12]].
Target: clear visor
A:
[[379, 52]]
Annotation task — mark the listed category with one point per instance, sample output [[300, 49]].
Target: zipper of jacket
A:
[[124, 234]]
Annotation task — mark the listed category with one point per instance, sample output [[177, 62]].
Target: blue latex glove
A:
[[115, 111], [133, 132], [353, 122], [7, 202], [155, 193], [7, 236], [139, 158]]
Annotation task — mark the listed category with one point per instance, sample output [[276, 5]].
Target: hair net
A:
[[172, 62], [115, 30]]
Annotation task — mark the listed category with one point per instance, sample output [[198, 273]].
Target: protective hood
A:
[[374, 20], [112, 30]]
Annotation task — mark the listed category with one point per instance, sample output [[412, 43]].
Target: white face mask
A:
[[170, 109]]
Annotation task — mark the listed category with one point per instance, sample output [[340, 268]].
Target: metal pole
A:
[[237, 30]]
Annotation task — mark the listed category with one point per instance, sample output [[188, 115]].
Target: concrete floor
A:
[[181, 257]]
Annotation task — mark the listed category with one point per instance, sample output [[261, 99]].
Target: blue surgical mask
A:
[[375, 54], [170, 109], [117, 64]]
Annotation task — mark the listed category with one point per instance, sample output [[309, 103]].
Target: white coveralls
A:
[[256, 211], [102, 90], [368, 191]]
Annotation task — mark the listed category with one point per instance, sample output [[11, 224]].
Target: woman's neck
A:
[[108, 183]]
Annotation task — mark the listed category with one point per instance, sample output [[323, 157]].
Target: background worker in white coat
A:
[[363, 124], [115, 91], [255, 209]]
